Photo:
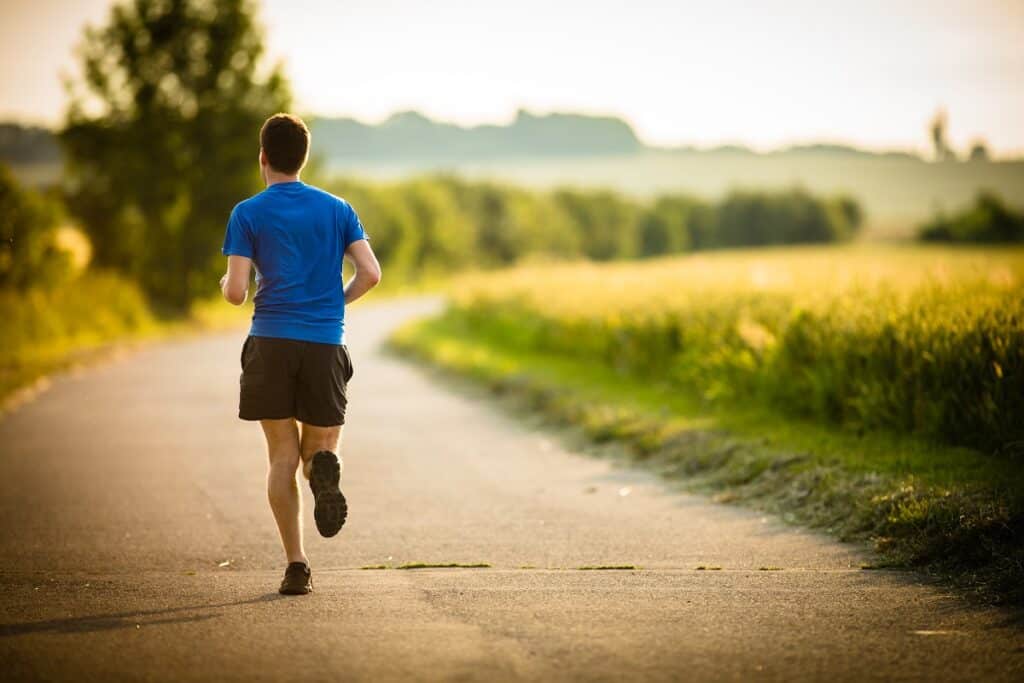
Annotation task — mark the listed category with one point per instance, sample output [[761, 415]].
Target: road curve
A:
[[137, 544]]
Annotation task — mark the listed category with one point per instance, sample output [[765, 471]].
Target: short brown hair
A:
[[285, 141]]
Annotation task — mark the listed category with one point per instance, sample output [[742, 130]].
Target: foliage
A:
[[433, 223], [989, 220], [927, 342], [794, 217], [605, 222], [28, 249], [153, 175], [659, 226]]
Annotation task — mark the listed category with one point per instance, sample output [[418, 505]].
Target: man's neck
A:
[[275, 178]]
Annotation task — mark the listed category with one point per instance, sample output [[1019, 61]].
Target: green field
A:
[[877, 392]]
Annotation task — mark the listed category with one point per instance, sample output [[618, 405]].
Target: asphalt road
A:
[[137, 544]]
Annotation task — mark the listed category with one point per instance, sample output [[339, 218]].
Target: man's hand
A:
[[235, 283], [367, 274]]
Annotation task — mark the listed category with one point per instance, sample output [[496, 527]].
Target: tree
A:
[[846, 217], [979, 151], [663, 225], [161, 137], [988, 221], [938, 133], [605, 221], [447, 234]]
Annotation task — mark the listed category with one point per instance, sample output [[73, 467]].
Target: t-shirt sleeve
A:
[[238, 238], [352, 229]]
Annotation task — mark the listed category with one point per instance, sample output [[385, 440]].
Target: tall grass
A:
[[46, 327], [922, 341]]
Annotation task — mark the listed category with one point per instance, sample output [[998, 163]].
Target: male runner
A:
[[295, 366]]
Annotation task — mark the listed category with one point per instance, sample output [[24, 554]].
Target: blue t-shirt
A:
[[296, 235]]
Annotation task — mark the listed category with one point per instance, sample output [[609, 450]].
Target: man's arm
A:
[[235, 283], [361, 255]]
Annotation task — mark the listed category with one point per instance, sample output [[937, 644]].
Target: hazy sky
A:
[[868, 72]]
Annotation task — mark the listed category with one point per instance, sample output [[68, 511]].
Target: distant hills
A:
[[411, 138], [27, 144]]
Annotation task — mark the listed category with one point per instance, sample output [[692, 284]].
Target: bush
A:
[[988, 221]]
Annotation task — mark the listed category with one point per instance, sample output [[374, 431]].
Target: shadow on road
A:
[[107, 622]]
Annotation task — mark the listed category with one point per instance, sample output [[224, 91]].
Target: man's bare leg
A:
[[282, 488], [322, 466]]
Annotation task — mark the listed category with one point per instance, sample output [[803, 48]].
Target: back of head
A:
[[285, 142]]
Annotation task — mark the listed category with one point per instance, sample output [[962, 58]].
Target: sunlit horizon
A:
[[869, 76]]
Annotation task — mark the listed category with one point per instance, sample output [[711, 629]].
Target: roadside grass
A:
[[953, 512], [87, 320]]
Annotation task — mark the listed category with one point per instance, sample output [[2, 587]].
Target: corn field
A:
[[910, 339]]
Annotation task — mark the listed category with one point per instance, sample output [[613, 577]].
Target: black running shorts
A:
[[284, 378]]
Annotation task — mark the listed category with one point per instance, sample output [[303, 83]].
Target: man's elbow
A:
[[373, 276], [236, 297]]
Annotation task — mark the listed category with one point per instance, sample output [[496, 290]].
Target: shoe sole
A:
[[330, 508], [295, 591]]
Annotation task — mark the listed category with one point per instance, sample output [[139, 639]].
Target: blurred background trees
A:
[[435, 223], [940, 146], [161, 138], [988, 221]]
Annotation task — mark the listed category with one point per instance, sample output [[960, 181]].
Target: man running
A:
[[295, 366]]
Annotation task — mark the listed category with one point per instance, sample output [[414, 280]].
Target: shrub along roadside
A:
[[949, 511]]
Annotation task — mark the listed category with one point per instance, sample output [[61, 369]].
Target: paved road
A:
[[137, 545]]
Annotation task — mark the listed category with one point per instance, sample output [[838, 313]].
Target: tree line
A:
[[987, 221], [434, 223]]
